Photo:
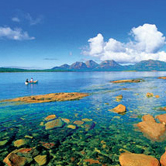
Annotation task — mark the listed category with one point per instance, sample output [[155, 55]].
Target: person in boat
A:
[[27, 80], [31, 80]]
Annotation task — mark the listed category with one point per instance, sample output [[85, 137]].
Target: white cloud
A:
[[96, 45], [14, 34], [146, 44], [15, 19], [33, 21]]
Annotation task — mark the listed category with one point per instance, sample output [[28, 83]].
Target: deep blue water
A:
[[116, 130]]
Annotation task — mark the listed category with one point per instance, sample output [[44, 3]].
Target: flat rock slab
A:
[[132, 159], [48, 97], [128, 81]]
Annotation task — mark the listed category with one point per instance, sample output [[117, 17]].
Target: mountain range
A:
[[107, 65], [111, 65]]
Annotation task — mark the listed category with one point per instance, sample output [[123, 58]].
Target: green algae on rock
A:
[[53, 124], [48, 97]]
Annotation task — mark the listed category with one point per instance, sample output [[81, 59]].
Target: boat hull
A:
[[33, 82]]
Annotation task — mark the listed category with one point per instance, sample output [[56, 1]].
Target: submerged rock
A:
[[20, 157], [151, 128], [149, 94], [89, 125], [53, 124], [128, 81], [48, 97], [119, 109], [20, 142], [71, 126], [2, 143], [87, 120], [78, 122], [119, 98], [66, 120], [132, 159], [41, 159], [50, 117], [47, 145], [14, 160], [92, 161]]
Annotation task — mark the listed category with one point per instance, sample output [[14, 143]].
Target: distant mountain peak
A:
[[91, 64], [78, 66]]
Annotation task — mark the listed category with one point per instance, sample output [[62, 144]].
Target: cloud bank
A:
[[14, 34], [146, 43]]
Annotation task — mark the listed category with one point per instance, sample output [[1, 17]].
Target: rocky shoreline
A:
[[79, 131]]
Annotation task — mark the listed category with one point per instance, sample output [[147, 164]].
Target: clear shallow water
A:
[[112, 132]]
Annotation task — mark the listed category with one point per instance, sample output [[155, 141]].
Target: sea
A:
[[109, 134]]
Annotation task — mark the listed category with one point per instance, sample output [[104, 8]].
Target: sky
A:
[[44, 34]]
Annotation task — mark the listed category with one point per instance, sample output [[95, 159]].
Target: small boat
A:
[[31, 82]]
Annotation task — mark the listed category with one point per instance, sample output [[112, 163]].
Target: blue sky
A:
[[44, 34]]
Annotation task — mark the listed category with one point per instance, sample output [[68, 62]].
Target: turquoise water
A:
[[112, 132]]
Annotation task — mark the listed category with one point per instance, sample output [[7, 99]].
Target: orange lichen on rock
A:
[[48, 97]]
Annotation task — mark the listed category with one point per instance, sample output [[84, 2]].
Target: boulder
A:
[[119, 109], [163, 159], [151, 129], [148, 118], [53, 124], [161, 118], [132, 159]]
